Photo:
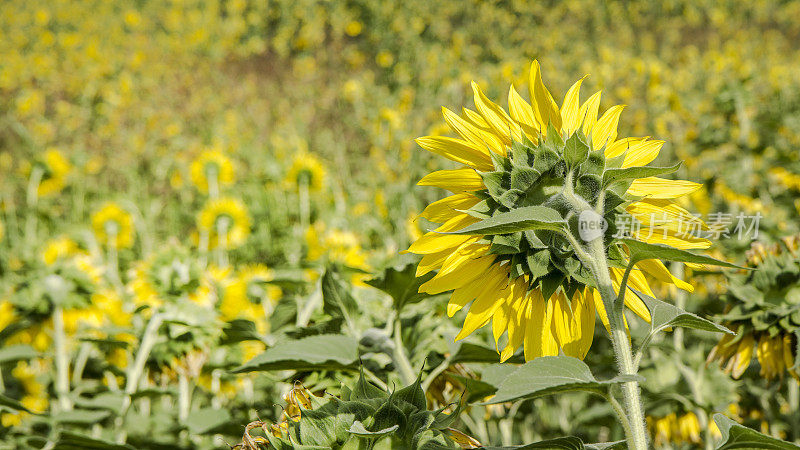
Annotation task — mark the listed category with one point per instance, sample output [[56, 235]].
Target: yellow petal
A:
[[487, 302], [654, 187], [455, 180], [659, 271], [588, 112], [544, 107], [457, 150], [584, 312], [464, 295], [522, 112], [472, 133], [642, 154], [562, 320], [432, 261], [449, 207], [605, 130], [570, 119], [517, 324], [666, 213], [462, 266], [680, 242], [496, 117], [536, 325], [435, 241], [620, 146]]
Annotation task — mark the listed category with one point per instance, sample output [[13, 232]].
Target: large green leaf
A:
[[664, 315], [631, 173], [548, 375], [641, 251], [80, 417], [562, 443], [16, 353], [72, 441], [206, 420], [520, 219], [402, 284], [738, 436], [325, 351]]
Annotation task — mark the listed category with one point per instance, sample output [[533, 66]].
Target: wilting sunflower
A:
[[212, 165], [226, 222], [530, 284], [763, 312], [113, 225], [306, 169]]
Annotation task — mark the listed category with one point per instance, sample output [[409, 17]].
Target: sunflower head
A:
[[565, 170], [55, 169], [307, 170], [764, 310], [226, 222], [113, 225], [212, 165]]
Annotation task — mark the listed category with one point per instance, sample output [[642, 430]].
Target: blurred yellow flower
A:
[[113, 225], [55, 169], [306, 169], [212, 166], [58, 248], [225, 222]]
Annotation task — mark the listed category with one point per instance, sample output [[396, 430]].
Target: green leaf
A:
[[17, 352], [641, 251], [402, 284], [520, 219], [562, 443], [575, 151], [664, 315], [72, 441], [548, 375], [80, 417], [616, 445], [336, 298], [359, 430], [325, 351], [738, 436], [414, 394], [632, 173], [206, 420], [506, 244], [467, 352], [12, 404]]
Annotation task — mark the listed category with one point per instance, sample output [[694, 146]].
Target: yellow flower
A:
[[212, 165], [225, 222], [243, 297], [113, 225], [507, 286], [338, 246], [57, 248], [306, 169], [7, 314], [56, 168]]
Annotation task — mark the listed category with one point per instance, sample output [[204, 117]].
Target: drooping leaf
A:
[[641, 251], [664, 315], [548, 375], [520, 219], [325, 351], [736, 436], [68, 440], [402, 284], [632, 173], [336, 298]]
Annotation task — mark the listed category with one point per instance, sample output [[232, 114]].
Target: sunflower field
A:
[[309, 224]]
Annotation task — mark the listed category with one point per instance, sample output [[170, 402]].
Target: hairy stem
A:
[[400, 358]]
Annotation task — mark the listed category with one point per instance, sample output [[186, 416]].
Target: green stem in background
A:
[[62, 361], [80, 362], [680, 301], [203, 248], [223, 224], [793, 386], [400, 357], [32, 199], [136, 370], [212, 175], [305, 203], [184, 395]]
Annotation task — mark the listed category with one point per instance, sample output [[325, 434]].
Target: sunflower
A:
[[55, 168], [212, 165], [306, 169], [226, 222], [530, 284], [57, 248], [763, 312], [113, 225], [245, 296]]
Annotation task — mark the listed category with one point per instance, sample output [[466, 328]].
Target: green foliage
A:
[[735, 436]]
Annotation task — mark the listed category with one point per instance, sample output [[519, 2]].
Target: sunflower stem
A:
[[637, 436], [400, 358]]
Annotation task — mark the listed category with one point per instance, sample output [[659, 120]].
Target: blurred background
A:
[[225, 151]]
